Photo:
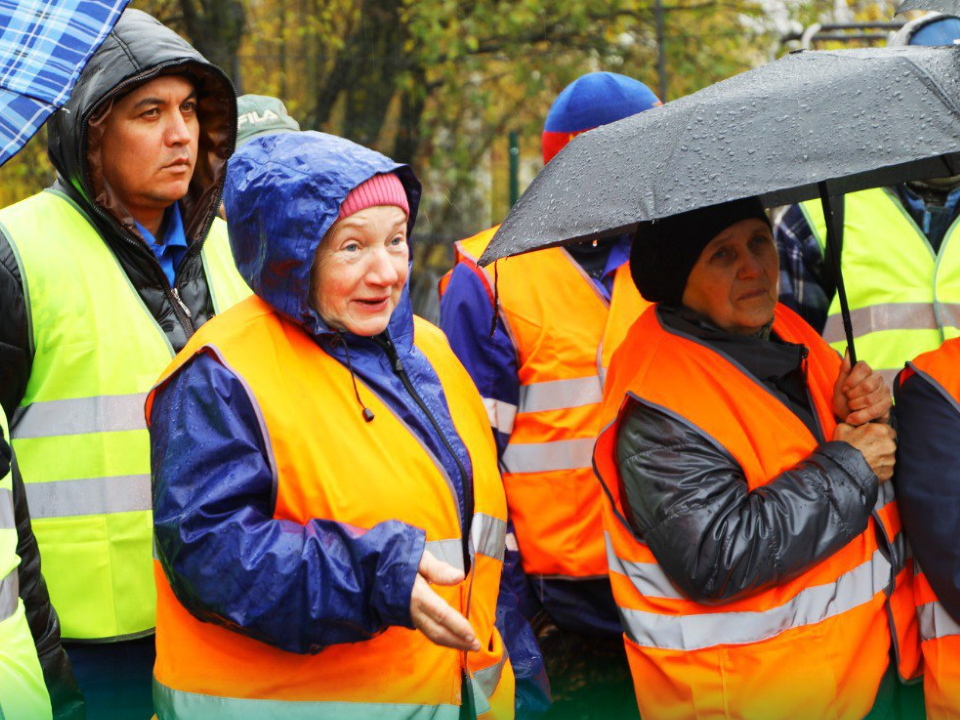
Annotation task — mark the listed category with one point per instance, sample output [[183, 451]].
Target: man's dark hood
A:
[[140, 49]]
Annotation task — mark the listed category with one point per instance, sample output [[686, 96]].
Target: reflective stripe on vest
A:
[[22, 690], [79, 433], [173, 704], [935, 621], [830, 624], [904, 299], [375, 677], [813, 605], [564, 332]]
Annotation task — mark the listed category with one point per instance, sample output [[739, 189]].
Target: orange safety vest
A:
[[939, 632], [815, 646], [303, 394], [565, 333]]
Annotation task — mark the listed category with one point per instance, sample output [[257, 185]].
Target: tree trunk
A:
[[216, 29]]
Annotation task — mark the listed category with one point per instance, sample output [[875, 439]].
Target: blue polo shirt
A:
[[171, 248]]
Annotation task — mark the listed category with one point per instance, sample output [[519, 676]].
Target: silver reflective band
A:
[[173, 704], [489, 678], [935, 622], [489, 536], [90, 496], [103, 413], [648, 578], [889, 316], [9, 594], [449, 551], [501, 415], [810, 606], [889, 376], [7, 520], [549, 456], [560, 394], [885, 495]]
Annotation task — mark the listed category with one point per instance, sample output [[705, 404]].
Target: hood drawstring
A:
[[367, 412]]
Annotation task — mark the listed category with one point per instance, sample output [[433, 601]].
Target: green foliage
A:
[[440, 83]]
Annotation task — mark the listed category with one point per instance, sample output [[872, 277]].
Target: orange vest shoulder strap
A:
[[235, 320], [467, 252], [939, 368]]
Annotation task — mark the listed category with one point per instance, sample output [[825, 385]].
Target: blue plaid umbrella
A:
[[44, 44]]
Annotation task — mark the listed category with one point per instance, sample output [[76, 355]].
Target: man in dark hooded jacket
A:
[[103, 277]]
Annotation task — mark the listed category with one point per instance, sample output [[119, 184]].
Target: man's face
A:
[[150, 143]]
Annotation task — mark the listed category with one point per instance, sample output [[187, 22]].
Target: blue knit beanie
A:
[[590, 101]]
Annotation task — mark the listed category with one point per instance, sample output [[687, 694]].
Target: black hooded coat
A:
[[138, 50]]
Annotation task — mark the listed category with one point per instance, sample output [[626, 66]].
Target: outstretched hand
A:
[[431, 614], [860, 395]]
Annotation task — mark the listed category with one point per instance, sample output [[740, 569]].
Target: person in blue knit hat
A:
[[561, 313]]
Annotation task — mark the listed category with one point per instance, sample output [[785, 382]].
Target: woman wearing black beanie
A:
[[743, 461]]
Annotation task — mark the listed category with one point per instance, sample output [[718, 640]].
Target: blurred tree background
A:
[[441, 83]]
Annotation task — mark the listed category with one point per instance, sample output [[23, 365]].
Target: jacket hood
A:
[[137, 50], [283, 193]]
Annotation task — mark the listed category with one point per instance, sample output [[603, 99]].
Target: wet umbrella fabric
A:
[[44, 44], [852, 118], [811, 124], [947, 7]]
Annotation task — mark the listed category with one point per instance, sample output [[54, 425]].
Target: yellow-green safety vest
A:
[[79, 434], [23, 696], [904, 298]]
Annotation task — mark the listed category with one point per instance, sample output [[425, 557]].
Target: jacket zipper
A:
[[468, 708], [398, 368], [804, 354]]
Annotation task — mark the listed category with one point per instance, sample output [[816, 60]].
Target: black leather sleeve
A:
[[15, 357], [717, 540], [65, 695]]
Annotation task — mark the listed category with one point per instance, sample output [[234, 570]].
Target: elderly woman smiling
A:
[[329, 514], [753, 532]]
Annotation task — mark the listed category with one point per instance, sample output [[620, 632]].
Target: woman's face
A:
[[734, 282], [360, 269]]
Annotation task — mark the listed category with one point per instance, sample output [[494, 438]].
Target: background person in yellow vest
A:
[[928, 485], [562, 312], [104, 276], [753, 532], [34, 670], [900, 259], [320, 457]]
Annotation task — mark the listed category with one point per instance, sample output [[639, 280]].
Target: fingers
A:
[[845, 365], [437, 571], [867, 397], [861, 373], [438, 621], [873, 407]]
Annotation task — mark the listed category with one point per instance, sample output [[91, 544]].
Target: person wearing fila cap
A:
[[330, 520], [259, 115], [561, 314]]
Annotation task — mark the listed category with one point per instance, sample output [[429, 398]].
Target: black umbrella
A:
[[811, 124]]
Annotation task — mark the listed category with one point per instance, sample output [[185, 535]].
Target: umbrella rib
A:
[[944, 96]]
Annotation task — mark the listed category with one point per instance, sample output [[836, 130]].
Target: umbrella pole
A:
[[835, 242]]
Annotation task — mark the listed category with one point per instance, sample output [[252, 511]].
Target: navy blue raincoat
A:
[[303, 587]]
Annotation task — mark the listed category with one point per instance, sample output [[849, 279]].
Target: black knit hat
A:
[[665, 251]]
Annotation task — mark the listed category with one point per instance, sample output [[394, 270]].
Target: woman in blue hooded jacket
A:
[[328, 513]]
